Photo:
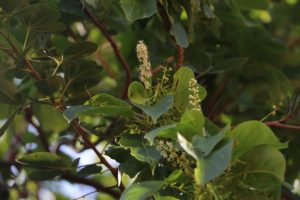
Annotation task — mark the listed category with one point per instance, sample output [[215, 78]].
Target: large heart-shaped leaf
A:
[[250, 134]]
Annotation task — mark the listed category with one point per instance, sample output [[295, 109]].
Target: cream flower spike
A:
[[145, 66], [194, 97]]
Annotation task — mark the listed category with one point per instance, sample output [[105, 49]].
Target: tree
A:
[[194, 99]]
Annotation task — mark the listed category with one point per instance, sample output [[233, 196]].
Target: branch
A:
[[102, 27], [71, 178], [92, 183], [30, 67], [280, 124], [85, 138]]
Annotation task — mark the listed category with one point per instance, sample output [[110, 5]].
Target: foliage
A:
[[194, 99]]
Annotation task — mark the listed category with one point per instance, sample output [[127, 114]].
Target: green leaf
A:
[[214, 164], [79, 50], [128, 164], [138, 9], [9, 93], [250, 134], [180, 88], [180, 35], [5, 126], [253, 4], [44, 160], [263, 167], [192, 120], [74, 112], [41, 18], [81, 74], [167, 131], [158, 109], [53, 121], [89, 170], [204, 145], [187, 146], [140, 149], [106, 99], [137, 94], [140, 191]]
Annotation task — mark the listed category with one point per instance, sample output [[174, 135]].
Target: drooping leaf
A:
[[138, 9], [180, 35], [158, 109], [214, 164], [140, 191]]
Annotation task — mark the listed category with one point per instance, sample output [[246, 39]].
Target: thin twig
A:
[[282, 125], [102, 27]]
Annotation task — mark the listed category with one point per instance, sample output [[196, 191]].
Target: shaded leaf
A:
[[9, 93], [79, 50], [138, 9]]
